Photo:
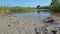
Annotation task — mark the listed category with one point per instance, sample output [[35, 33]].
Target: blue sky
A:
[[25, 3]]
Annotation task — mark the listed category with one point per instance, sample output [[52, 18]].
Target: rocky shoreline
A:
[[19, 25]]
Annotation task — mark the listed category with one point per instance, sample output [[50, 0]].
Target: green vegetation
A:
[[21, 9], [4, 10], [55, 6]]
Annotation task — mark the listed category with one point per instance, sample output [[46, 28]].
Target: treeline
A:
[[55, 6]]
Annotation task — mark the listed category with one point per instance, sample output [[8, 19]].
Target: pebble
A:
[[19, 25]]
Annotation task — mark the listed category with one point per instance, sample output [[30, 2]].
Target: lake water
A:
[[38, 14]]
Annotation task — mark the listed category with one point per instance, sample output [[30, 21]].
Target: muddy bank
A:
[[19, 25]]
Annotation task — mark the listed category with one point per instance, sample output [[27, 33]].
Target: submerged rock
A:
[[52, 20]]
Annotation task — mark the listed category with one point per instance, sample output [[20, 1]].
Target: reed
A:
[[4, 10]]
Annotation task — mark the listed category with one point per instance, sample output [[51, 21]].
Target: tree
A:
[[38, 7]]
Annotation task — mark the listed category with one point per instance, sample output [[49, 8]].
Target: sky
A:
[[25, 3]]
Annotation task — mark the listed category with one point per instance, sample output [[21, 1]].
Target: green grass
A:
[[4, 10], [22, 10], [55, 6]]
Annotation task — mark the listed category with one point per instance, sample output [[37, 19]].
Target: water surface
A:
[[38, 14]]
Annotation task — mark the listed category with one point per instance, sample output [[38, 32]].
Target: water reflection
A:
[[44, 13], [52, 13], [38, 11], [56, 13], [38, 14]]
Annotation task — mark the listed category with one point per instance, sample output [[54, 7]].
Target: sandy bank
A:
[[19, 25]]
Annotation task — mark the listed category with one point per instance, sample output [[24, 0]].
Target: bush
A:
[[55, 6]]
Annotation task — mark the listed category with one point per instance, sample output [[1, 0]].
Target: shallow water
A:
[[38, 14]]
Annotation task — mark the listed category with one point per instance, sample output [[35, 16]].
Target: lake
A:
[[38, 14]]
